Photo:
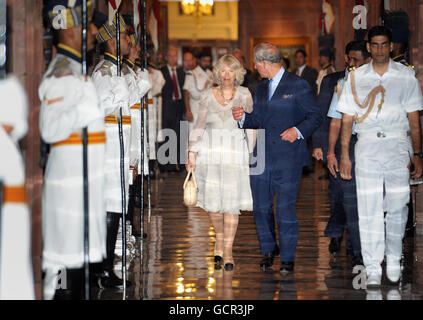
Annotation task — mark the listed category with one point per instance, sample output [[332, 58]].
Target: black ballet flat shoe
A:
[[229, 266], [218, 262]]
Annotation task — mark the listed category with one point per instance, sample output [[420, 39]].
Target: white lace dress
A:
[[222, 169]]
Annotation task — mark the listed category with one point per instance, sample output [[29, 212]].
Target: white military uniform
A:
[[68, 104], [16, 273], [154, 108], [197, 81], [113, 92], [139, 84], [382, 156]]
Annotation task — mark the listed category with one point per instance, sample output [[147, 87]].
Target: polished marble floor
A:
[[175, 261]]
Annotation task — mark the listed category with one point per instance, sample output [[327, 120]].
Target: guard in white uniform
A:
[[384, 98], [139, 84], [68, 104], [154, 107], [197, 81], [114, 95], [16, 273]]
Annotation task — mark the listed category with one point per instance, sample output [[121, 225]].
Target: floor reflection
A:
[[176, 260]]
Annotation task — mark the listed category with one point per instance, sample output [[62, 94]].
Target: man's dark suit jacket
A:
[[167, 91], [321, 135], [292, 105], [310, 74]]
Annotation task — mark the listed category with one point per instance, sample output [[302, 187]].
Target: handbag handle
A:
[[190, 172]]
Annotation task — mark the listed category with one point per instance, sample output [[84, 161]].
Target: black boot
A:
[[112, 232], [108, 279], [151, 172]]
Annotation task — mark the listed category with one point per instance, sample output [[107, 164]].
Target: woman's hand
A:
[[191, 161]]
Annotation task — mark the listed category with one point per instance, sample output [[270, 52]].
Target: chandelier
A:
[[197, 8]]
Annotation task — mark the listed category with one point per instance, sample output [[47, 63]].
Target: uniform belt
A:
[[14, 194], [112, 119], [137, 105], [76, 138], [383, 134]]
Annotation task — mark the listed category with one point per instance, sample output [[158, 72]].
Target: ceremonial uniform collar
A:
[[129, 63], [391, 68], [69, 52], [112, 58]]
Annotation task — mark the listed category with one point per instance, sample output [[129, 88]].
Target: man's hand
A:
[[346, 169], [333, 165], [418, 167], [189, 116], [237, 113], [289, 135], [317, 154]]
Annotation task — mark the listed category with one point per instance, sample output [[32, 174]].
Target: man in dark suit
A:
[[173, 108], [241, 58], [303, 71], [335, 227], [285, 107]]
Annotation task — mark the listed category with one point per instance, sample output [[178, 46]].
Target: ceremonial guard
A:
[[16, 274], [384, 99], [154, 110], [197, 81], [114, 95], [139, 84], [69, 103]]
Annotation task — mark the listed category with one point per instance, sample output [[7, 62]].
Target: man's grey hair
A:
[[267, 52], [171, 48]]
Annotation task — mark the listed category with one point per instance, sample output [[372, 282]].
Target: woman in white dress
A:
[[219, 153]]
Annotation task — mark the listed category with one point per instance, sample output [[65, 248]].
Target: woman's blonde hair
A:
[[233, 63]]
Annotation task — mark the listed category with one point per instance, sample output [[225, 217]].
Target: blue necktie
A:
[[270, 89]]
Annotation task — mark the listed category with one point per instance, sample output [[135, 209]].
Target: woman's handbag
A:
[[190, 189]]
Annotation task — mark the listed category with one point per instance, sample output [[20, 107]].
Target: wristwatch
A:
[[419, 154]]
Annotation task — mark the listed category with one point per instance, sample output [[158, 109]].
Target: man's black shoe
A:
[[110, 280], [286, 267], [357, 260], [335, 245], [266, 262]]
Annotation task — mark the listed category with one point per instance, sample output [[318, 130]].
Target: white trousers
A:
[[382, 185]]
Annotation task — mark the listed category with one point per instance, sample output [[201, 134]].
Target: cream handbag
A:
[[190, 189]]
